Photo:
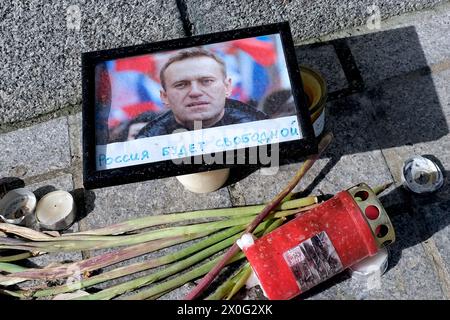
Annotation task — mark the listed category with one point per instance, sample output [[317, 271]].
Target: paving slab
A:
[[307, 19], [323, 59], [410, 110], [35, 150], [61, 182], [431, 211], [424, 131], [75, 136], [427, 135], [403, 44], [41, 47]]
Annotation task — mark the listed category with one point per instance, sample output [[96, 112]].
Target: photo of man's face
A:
[[208, 103], [195, 90]]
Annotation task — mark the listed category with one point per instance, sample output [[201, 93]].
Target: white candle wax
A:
[[56, 210]]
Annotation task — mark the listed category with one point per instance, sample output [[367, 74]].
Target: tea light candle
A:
[[203, 182], [56, 210], [17, 205]]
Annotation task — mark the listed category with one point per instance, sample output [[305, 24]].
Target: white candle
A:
[[204, 182], [56, 210]]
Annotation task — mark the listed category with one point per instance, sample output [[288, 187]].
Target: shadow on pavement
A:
[[392, 111]]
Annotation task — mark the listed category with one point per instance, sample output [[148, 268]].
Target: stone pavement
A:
[[388, 100]]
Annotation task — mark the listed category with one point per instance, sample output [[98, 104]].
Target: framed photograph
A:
[[194, 104]]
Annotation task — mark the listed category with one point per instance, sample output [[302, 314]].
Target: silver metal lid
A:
[[422, 175]]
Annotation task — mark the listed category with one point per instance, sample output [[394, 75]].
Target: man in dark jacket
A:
[[195, 88]]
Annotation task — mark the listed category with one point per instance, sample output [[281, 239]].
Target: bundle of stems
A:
[[46, 243], [178, 281], [40, 242], [150, 221], [113, 257]]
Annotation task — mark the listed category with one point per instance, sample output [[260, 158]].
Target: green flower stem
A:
[[240, 280], [105, 259], [139, 266], [102, 242], [149, 221], [11, 268], [231, 286], [180, 280], [16, 257]]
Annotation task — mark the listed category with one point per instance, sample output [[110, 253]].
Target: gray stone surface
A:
[[424, 132], [430, 211], [35, 150], [428, 122], [179, 293], [114, 204], [410, 110], [432, 31], [75, 136], [307, 19], [41, 46], [324, 60], [403, 44], [385, 54], [62, 182], [400, 114], [433, 213]]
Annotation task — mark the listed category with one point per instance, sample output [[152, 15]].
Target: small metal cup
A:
[[422, 175]]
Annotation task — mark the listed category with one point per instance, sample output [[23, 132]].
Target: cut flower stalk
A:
[[150, 221], [137, 267], [64, 244], [122, 288], [265, 227]]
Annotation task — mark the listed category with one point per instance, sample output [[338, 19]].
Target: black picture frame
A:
[[93, 178]]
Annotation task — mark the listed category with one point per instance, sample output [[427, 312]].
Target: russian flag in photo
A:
[[133, 88], [232, 65], [255, 56]]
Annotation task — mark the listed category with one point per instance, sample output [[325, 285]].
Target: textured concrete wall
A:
[[41, 41], [41, 46], [308, 18]]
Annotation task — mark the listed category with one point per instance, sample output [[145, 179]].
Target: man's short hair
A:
[[187, 54]]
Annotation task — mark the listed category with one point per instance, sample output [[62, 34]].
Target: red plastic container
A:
[[320, 243]]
